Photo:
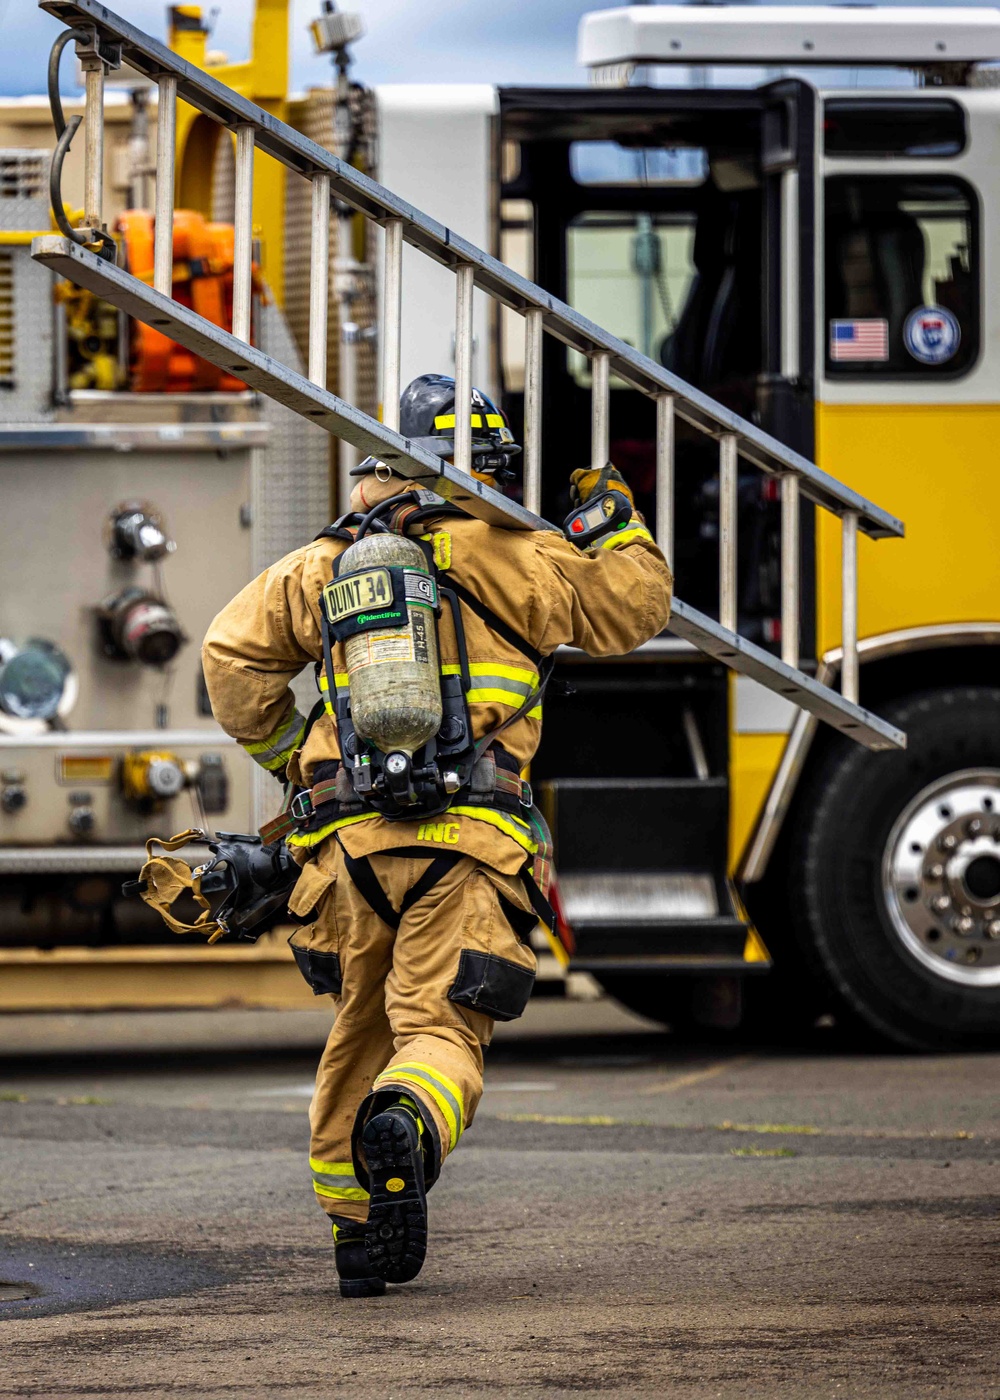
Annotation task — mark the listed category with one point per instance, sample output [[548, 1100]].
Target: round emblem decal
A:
[[932, 334]]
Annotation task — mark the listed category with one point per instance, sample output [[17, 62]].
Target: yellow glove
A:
[[592, 481]]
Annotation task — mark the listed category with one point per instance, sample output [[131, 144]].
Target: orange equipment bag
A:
[[203, 281]]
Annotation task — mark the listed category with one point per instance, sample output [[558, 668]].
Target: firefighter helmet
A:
[[427, 418]]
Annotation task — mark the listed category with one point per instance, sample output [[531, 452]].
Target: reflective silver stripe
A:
[[481, 681], [335, 1179], [401, 1073], [276, 750], [342, 1185]]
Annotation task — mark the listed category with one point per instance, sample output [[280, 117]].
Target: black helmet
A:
[[427, 416]]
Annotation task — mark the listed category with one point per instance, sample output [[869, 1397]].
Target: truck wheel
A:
[[895, 871]]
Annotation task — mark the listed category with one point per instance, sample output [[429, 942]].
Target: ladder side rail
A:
[[305, 157], [749, 659]]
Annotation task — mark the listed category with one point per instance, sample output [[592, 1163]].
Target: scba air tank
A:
[[393, 670]]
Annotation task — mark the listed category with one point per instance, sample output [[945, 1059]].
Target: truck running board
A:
[[105, 40]]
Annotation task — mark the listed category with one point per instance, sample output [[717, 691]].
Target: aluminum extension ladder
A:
[[104, 40]]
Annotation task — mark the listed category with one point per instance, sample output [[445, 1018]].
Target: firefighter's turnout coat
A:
[[393, 969]]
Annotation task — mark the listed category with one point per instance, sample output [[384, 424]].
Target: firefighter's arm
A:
[[607, 599], [253, 650]]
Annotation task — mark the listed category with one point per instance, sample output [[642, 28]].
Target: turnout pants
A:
[[418, 982]]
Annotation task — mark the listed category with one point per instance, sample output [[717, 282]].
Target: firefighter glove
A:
[[593, 481]]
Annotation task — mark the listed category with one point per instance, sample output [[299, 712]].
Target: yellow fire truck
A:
[[813, 258]]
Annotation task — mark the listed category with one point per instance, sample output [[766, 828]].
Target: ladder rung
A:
[[279, 382], [751, 660]]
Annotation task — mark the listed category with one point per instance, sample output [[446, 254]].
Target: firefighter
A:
[[420, 926]]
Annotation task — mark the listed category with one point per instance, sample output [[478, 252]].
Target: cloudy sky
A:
[[493, 41], [504, 41]]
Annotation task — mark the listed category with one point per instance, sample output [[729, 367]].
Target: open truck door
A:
[[683, 220]]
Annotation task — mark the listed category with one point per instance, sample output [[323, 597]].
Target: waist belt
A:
[[496, 782]]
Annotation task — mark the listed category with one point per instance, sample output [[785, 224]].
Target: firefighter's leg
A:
[[457, 958], [360, 1043]]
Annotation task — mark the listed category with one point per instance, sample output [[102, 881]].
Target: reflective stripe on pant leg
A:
[[444, 1091], [336, 1180]]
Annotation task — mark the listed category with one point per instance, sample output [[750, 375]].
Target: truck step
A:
[[658, 921], [661, 825]]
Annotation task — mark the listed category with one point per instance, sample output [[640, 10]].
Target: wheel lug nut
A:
[[941, 902], [935, 872], [974, 827], [948, 842], [993, 928], [964, 924]]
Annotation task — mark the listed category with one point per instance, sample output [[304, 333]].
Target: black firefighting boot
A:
[[357, 1278], [396, 1232]]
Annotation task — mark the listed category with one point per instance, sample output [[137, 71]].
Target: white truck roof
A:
[[789, 34]]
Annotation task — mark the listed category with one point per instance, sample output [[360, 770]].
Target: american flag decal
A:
[[859, 340]]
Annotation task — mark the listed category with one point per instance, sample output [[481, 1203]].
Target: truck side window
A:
[[631, 272], [902, 277]]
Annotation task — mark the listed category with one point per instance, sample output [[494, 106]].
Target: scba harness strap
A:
[[367, 884]]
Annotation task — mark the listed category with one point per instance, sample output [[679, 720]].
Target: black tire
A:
[[840, 921], [646, 996], [700, 1007]]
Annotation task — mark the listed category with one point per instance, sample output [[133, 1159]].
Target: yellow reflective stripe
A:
[[316, 1164], [409, 1077], [638, 532], [444, 1091], [503, 823], [447, 420], [536, 713], [440, 541], [288, 735], [336, 1180], [279, 761], [340, 681], [341, 1193], [277, 736], [502, 697], [313, 838], [494, 668]]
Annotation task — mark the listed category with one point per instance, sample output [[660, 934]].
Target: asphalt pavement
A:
[[629, 1215]]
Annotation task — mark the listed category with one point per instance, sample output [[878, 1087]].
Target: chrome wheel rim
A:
[[941, 877]]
